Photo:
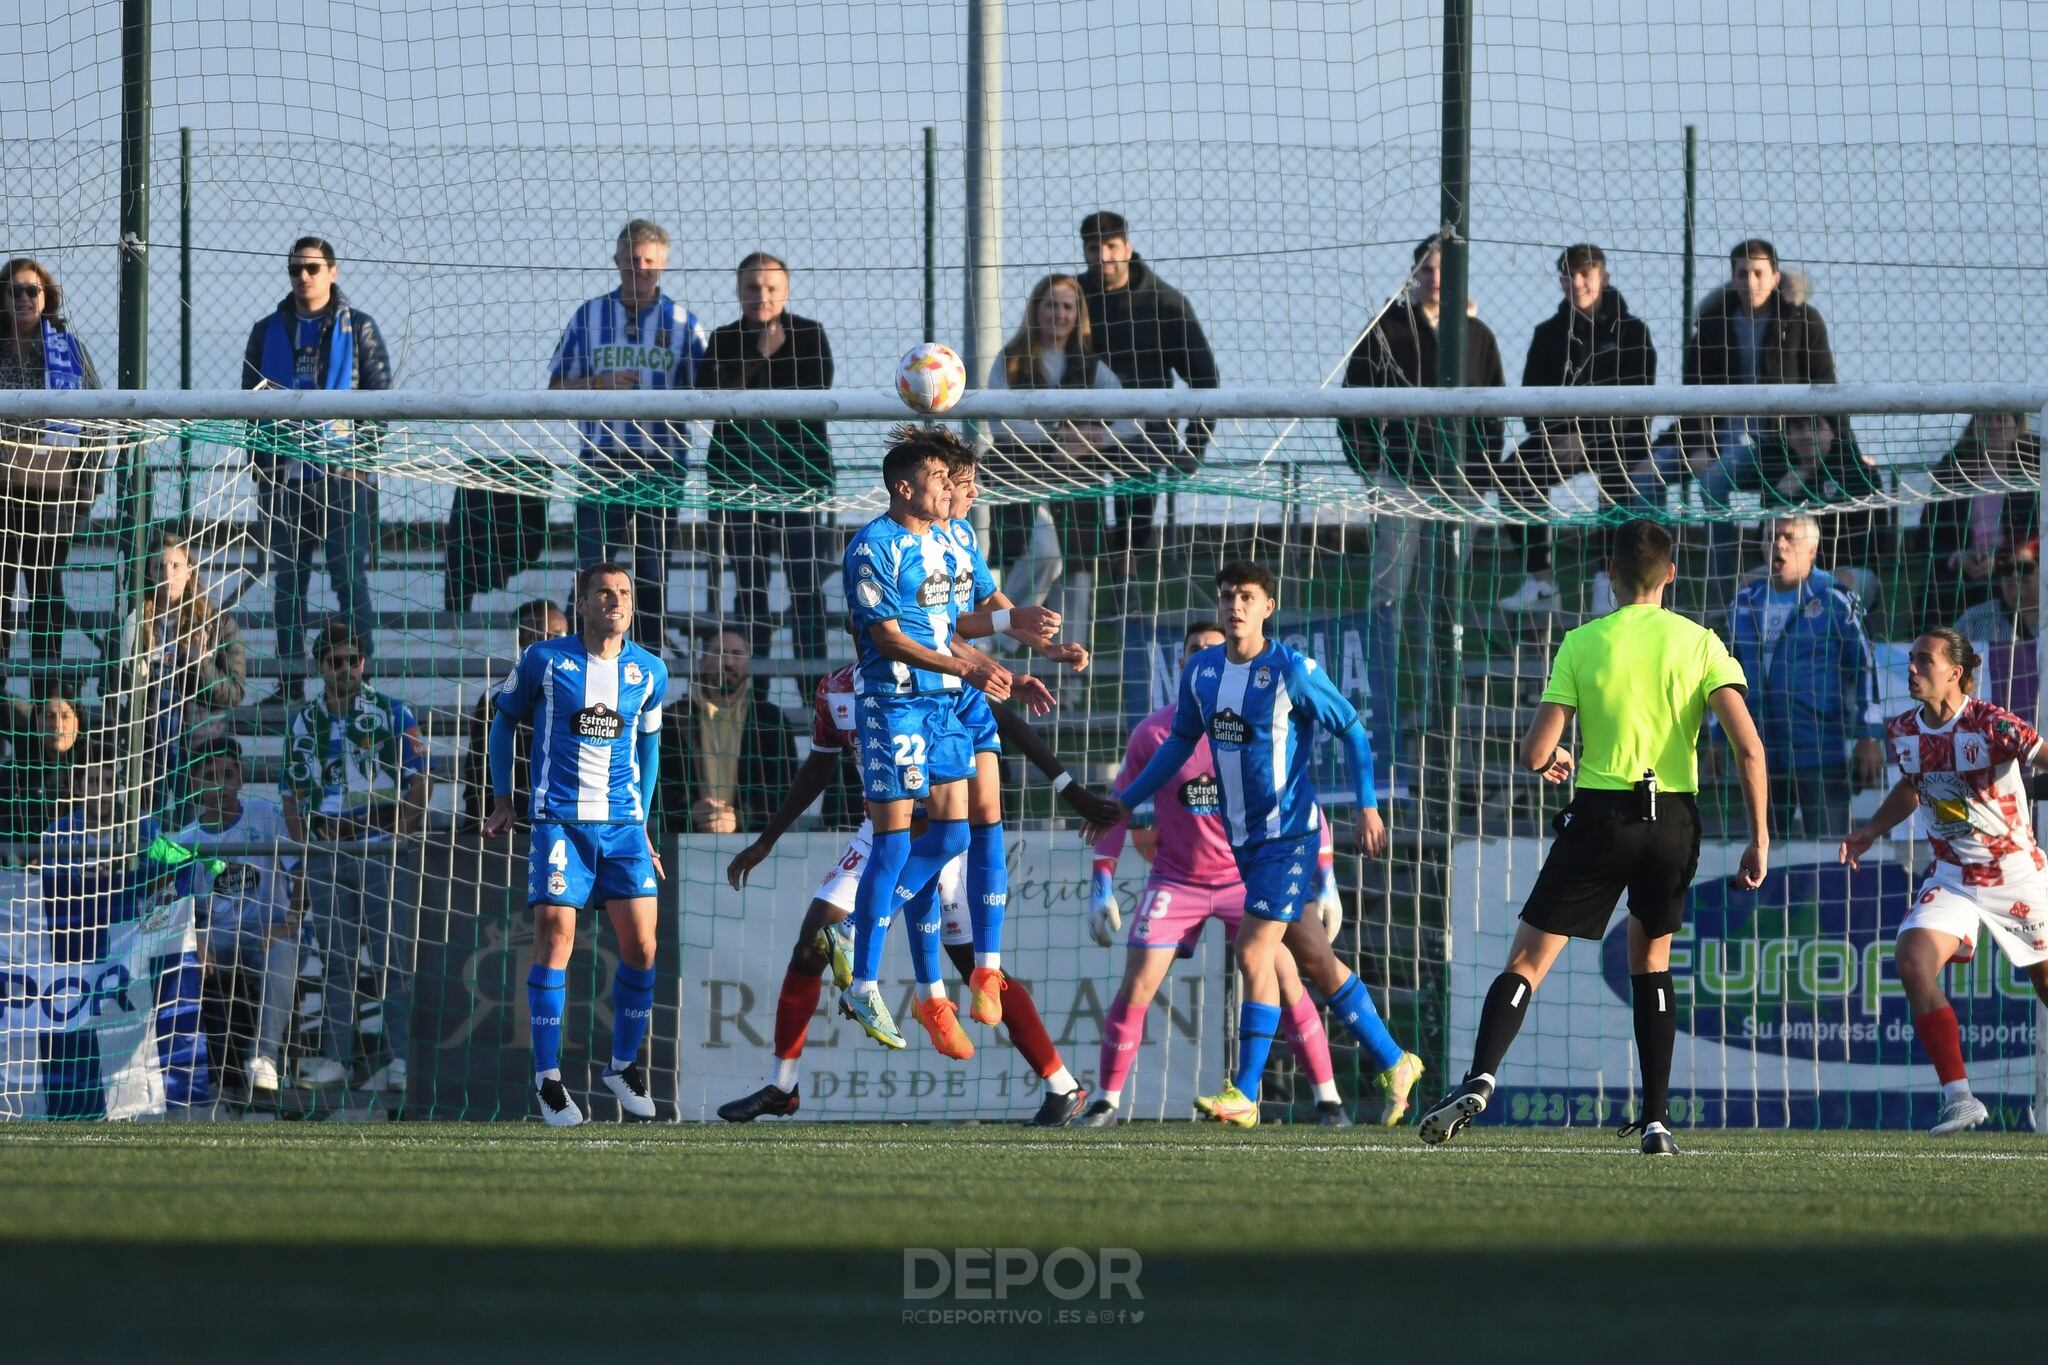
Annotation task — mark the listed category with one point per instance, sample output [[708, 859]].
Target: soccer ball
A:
[[931, 377]]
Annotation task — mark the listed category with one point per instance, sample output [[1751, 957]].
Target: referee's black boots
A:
[[1455, 1110]]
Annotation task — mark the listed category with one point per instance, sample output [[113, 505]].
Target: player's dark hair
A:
[[1427, 245], [1104, 224], [1242, 573], [1753, 248], [220, 746], [761, 260], [602, 569], [1641, 556], [336, 634], [1960, 652], [533, 613], [911, 444], [1199, 628], [319, 244]]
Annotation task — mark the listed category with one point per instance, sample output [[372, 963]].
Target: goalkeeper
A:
[[1194, 880]]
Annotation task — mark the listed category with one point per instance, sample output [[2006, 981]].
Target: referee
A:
[[1639, 680]]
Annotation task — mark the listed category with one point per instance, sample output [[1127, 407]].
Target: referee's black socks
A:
[[1656, 1038], [1507, 1004]]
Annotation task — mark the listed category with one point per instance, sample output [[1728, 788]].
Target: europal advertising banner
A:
[[1790, 1011], [737, 945]]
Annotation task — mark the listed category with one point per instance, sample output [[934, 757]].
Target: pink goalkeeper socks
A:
[[1122, 1031], [1304, 1025]]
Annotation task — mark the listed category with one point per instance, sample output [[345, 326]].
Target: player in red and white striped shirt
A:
[[1965, 760], [822, 940]]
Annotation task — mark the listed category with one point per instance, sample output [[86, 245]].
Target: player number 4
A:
[[558, 855]]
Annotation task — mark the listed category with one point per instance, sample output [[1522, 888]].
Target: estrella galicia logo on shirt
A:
[[1228, 727], [236, 880], [1202, 795], [598, 722], [935, 591], [1801, 968]]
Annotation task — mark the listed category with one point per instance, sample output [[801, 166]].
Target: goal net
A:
[[170, 940]]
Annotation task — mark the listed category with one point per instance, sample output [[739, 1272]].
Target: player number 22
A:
[[909, 748]]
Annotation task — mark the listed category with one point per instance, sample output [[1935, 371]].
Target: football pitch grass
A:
[[507, 1242]]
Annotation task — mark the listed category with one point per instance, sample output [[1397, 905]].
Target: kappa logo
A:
[[1210, 673], [570, 666], [876, 765], [1294, 870], [1260, 905], [875, 723], [1294, 888], [876, 745], [647, 883]]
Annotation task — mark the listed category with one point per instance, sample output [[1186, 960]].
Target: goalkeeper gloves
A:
[[1104, 919]]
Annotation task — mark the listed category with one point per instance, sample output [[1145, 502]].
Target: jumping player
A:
[[983, 610], [1194, 880], [899, 577], [1245, 696], [1962, 758], [823, 940], [594, 701]]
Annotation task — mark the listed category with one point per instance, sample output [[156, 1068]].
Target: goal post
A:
[[1399, 575]]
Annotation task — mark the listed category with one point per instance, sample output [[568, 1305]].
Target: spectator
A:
[[1758, 329], [190, 661], [494, 532], [1591, 341], [1149, 335], [307, 495], [731, 756], [356, 771], [1979, 517], [2004, 628], [38, 773], [1399, 352], [635, 337], [535, 621], [1799, 638], [48, 476], [247, 934], [1054, 348], [787, 463]]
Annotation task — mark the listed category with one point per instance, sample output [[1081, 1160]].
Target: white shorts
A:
[[2016, 914], [843, 881]]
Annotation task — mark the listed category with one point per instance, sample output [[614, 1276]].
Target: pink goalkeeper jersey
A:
[[1194, 848]]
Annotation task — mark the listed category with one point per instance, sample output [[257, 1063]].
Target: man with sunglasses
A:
[[2004, 628], [356, 774], [309, 493]]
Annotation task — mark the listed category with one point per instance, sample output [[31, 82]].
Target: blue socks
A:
[[988, 888], [1352, 1004], [925, 923], [632, 1011], [875, 901], [1257, 1026], [546, 998]]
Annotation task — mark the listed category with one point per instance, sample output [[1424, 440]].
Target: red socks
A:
[[1027, 1030], [793, 1010], [1943, 1041]]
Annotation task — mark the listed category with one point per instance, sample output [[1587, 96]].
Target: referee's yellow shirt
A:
[[1639, 678]]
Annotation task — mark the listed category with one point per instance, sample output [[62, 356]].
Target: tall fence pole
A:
[[184, 313], [133, 510], [1455, 201], [982, 332], [931, 233], [1692, 166]]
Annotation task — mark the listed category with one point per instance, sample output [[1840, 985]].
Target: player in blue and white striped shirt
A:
[[594, 701], [909, 670], [635, 337], [1259, 702]]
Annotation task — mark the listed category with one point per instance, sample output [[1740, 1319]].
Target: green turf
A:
[[453, 1241]]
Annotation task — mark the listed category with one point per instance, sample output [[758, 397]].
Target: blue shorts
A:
[[979, 722], [1279, 877], [573, 864], [908, 745]]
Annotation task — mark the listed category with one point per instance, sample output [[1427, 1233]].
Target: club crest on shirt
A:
[[1812, 609], [598, 722], [632, 674], [1228, 727], [870, 595], [1971, 752], [1263, 677]]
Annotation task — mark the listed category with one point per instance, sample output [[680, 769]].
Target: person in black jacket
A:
[[1593, 340], [769, 347], [536, 620], [314, 339], [1148, 332], [729, 754]]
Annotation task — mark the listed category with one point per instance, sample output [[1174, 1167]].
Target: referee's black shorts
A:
[[1604, 848]]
